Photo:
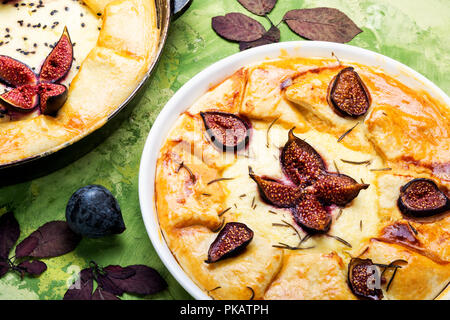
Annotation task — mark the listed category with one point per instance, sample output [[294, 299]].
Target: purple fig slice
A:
[[227, 131], [422, 198], [311, 215], [53, 96], [230, 241], [276, 193], [301, 162], [362, 279], [348, 95], [59, 61], [335, 188], [15, 73], [21, 99]]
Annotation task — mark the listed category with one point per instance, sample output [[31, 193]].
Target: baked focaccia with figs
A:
[[309, 179], [66, 66]]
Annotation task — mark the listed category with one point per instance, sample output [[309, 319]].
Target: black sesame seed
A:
[[7, 30], [66, 8], [53, 12], [83, 25]]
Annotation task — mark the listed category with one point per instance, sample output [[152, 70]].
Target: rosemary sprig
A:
[[336, 167], [224, 211], [282, 245], [288, 225], [339, 239], [366, 162], [381, 169], [347, 132], [268, 129], [219, 227], [253, 293], [413, 229], [443, 289], [191, 174], [392, 279], [339, 214], [218, 180]]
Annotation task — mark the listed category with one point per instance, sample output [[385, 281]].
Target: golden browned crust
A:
[[107, 76], [293, 92]]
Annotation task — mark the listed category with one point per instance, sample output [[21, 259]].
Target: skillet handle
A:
[[179, 7]]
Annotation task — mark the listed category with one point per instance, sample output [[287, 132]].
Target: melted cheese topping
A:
[[111, 64], [265, 162], [29, 29], [394, 135]]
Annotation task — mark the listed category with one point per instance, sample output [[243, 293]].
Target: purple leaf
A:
[[82, 289], [9, 233], [236, 26], [100, 294], [27, 246], [53, 239], [118, 272], [259, 7], [108, 283], [145, 281], [326, 24], [4, 268], [34, 267], [271, 36]]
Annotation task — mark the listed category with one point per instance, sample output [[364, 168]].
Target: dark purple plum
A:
[[94, 212]]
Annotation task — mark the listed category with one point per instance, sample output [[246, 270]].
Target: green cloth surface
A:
[[414, 32]]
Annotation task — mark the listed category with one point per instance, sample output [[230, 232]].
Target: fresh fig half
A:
[[348, 94], [230, 241], [422, 198], [21, 99], [15, 74], [300, 161], [276, 193], [311, 215], [53, 96], [335, 188], [227, 131], [362, 279], [59, 61]]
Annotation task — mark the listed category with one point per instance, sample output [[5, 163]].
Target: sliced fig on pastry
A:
[[231, 240], [362, 279], [422, 198], [300, 161], [227, 131], [348, 95], [275, 192]]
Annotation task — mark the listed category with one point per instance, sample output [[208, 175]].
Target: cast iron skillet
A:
[[46, 162]]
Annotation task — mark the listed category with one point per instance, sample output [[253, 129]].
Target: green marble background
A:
[[414, 32]]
